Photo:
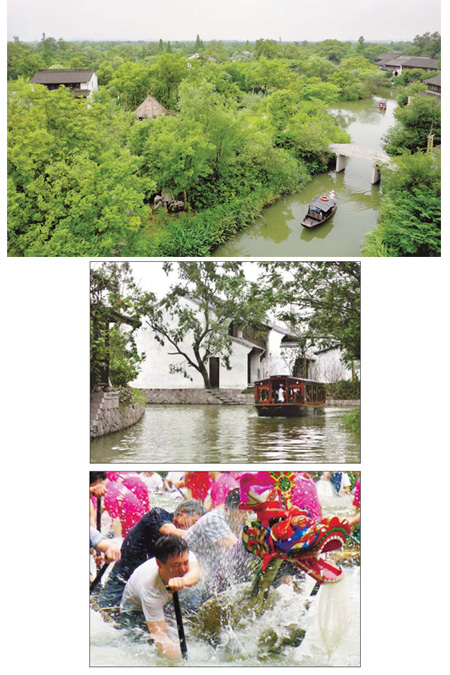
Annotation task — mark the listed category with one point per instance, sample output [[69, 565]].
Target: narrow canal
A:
[[278, 232], [226, 434]]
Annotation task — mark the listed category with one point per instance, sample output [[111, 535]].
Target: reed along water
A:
[[226, 434], [279, 232]]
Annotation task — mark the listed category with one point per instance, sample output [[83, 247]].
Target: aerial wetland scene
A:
[[322, 141], [225, 362]]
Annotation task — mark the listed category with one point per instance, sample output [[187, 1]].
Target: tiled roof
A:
[[62, 76]]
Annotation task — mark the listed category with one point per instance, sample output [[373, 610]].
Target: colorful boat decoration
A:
[[280, 530]]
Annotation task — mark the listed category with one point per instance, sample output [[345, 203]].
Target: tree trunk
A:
[[202, 369]]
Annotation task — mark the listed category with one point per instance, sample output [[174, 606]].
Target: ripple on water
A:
[[199, 434]]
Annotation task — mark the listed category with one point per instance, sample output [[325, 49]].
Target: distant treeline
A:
[[24, 58]]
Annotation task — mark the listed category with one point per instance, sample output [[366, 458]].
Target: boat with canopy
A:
[[284, 396]]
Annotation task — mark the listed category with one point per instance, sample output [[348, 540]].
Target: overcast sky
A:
[[151, 277], [173, 20]]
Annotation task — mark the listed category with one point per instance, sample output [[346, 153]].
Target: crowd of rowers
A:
[[197, 547]]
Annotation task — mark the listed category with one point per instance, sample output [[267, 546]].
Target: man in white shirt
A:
[[151, 585]]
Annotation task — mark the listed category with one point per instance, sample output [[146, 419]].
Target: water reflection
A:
[[221, 434], [279, 230]]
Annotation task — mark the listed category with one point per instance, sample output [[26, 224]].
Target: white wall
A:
[[92, 85], [328, 367], [272, 362], [155, 372]]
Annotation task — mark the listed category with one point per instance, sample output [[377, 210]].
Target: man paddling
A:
[[139, 545], [151, 585]]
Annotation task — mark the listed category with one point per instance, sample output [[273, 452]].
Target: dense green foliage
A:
[[352, 421], [414, 124], [248, 123], [410, 214], [116, 310], [321, 301], [344, 390]]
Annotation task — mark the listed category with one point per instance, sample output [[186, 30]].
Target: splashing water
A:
[[296, 629], [333, 614]]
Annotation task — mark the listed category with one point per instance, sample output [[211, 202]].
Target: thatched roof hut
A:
[[150, 108]]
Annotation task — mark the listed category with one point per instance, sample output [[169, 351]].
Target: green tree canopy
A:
[[116, 313], [321, 299], [196, 330]]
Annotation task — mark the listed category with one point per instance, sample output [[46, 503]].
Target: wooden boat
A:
[[284, 396], [320, 209], [382, 105]]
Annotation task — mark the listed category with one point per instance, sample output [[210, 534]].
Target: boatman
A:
[[139, 545], [151, 585]]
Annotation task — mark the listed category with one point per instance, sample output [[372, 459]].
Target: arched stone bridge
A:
[[343, 150]]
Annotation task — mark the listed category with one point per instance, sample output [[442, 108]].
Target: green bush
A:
[[344, 389], [352, 421]]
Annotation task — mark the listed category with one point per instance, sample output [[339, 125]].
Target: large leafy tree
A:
[[321, 300], [410, 214], [414, 124], [116, 310], [197, 330], [73, 190]]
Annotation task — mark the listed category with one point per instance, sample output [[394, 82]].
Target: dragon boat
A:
[[280, 530]]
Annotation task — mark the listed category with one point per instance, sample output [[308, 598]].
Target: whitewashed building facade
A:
[[256, 353]]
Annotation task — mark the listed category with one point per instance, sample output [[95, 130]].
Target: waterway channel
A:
[[228, 434], [278, 232]]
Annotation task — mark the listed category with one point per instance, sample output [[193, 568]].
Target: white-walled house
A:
[[257, 352], [327, 366], [81, 82]]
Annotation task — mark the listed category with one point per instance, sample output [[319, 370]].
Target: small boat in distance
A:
[[382, 105], [320, 209], [284, 396]]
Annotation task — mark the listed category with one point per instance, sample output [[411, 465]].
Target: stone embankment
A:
[[214, 397], [198, 396], [107, 415]]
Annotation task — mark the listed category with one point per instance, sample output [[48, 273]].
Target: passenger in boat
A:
[[109, 550], [221, 487], [280, 394], [216, 532], [134, 483], [97, 488], [153, 481], [174, 481], [216, 539], [140, 543], [150, 587]]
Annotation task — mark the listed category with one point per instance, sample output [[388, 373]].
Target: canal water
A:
[[278, 232], [228, 434], [238, 646]]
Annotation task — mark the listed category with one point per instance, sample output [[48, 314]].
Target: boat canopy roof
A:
[[325, 206], [288, 379]]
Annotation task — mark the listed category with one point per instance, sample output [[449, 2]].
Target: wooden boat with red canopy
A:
[[284, 396]]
